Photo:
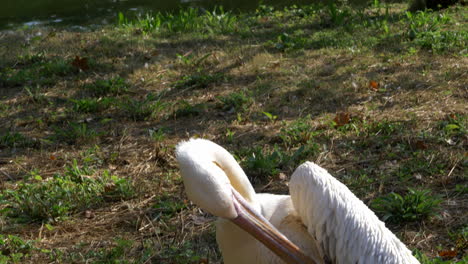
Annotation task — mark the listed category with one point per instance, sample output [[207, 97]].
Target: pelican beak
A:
[[255, 224]]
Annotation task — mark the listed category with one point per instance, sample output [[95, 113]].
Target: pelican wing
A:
[[346, 229]]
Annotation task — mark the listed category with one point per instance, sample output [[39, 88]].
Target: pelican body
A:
[[322, 221]]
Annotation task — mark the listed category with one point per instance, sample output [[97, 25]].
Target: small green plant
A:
[[168, 206], [186, 109], [157, 135], [56, 67], [423, 259], [237, 101], [186, 20], [230, 135], [13, 249], [14, 139], [337, 15], [197, 81], [271, 117], [150, 107], [385, 128], [415, 205], [57, 197], [453, 126], [425, 29], [102, 87], [286, 42], [75, 133], [35, 95], [260, 165], [91, 105], [183, 253], [297, 132]]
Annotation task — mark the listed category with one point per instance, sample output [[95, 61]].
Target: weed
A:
[[271, 117], [13, 249], [235, 102], [168, 206], [91, 105], [157, 135], [384, 128], [113, 86], [415, 205], [57, 197], [182, 254], [187, 109], [230, 135], [337, 15], [190, 60], [38, 73], [425, 30], [186, 20], [423, 259], [56, 67], [14, 139], [139, 110], [75, 133], [197, 81], [453, 126], [35, 95], [262, 164], [92, 156], [285, 42], [298, 132]]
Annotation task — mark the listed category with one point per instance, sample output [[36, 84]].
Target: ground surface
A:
[[89, 120]]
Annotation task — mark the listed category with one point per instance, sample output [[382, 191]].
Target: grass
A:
[[89, 121], [38, 199], [415, 205]]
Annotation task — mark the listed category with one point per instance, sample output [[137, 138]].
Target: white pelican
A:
[[321, 222]]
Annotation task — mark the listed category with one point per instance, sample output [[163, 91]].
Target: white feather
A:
[[346, 229]]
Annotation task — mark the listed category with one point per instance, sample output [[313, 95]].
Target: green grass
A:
[[14, 139], [143, 109], [13, 249], [91, 105], [53, 199], [186, 20], [185, 109], [75, 133], [415, 205], [103, 87], [237, 101]]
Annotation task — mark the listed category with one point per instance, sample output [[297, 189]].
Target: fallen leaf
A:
[[448, 253], [342, 118], [52, 157], [374, 85], [420, 145], [203, 261], [80, 63]]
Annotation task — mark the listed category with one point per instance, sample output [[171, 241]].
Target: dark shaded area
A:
[[79, 12]]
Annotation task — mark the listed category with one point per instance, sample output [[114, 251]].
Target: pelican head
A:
[[215, 182], [206, 183]]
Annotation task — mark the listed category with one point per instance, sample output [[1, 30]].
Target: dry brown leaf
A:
[[420, 145], [80, 63], [342, 118], [374, 85], [448, 253]]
